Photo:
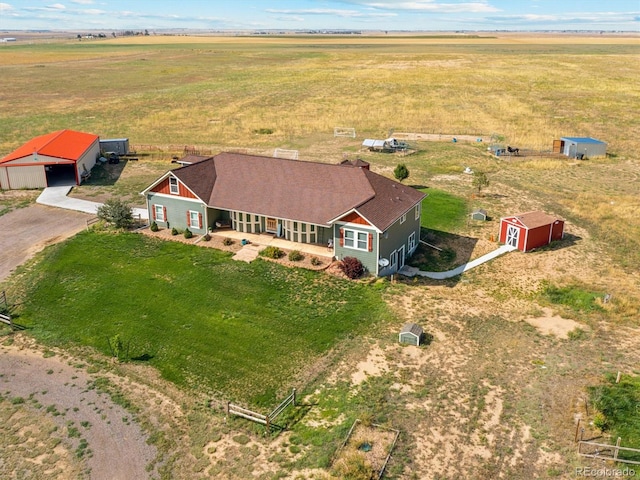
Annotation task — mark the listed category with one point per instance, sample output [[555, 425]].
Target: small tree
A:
[[116, 212], [480, 181], [401, 172]]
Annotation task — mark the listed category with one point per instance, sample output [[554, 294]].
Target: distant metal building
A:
[[117, 145], [580, 147]]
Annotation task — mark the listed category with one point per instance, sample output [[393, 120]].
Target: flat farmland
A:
[[498, 390]]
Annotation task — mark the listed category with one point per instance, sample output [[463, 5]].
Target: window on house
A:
[[356, 240], [417, 211], [173, 186], [194, 219], [412, 241], [403, 218], [159, 210]]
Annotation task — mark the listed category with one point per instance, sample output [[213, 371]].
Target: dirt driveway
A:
[[103, 435], [26, 231]]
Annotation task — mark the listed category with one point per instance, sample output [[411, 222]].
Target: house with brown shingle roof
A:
[[357, 212]]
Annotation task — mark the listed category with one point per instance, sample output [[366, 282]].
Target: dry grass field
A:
[[497, 392]]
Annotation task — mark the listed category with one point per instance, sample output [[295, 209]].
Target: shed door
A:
[[512, 236]]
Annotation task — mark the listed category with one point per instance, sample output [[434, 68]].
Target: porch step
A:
[[247, 253]]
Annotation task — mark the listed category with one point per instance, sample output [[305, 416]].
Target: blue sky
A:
[[114, 15]]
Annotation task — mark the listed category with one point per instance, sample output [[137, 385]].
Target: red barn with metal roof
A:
[[530, 230], [62, 157]]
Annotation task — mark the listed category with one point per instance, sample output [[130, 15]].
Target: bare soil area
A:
[[98, 438]]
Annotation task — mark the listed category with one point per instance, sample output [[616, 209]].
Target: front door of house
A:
[[401, 257], [272, 225], [512, 236]]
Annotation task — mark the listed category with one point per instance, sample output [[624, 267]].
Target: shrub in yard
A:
[[187, 233], [271, 252], [600, 421], [295, 256], [153, 227], [352, 267], [227, 242], [174, 231], [315, 261], [116, 212]]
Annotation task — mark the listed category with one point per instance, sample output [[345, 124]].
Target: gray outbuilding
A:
[[479, 214], [117, 145], [412, 334], [582, 147]]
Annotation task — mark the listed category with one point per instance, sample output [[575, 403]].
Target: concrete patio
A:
[[266, 239]]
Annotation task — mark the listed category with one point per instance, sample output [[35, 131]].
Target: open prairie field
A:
[[514, 345]]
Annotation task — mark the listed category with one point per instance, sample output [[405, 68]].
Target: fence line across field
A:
[[266, 420], [601, 450], [4, 307]]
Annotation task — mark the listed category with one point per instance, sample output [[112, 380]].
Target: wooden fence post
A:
[[294, 397], [615, 453], [577, 429], [618, 377]]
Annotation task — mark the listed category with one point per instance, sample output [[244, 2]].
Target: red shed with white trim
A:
[[530, 230]]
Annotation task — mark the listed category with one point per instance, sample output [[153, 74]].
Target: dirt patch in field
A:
[[550, 324]]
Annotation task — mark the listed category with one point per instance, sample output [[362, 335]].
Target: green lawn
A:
[[619, 404], [236, 329], [443, 211]]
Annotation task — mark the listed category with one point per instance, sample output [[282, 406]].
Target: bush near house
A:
[[352, 267], [271, 252], [116, 212]]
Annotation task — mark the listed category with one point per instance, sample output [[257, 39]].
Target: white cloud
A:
[[83, 2], [429, 6], [330, 12], [56, 6]]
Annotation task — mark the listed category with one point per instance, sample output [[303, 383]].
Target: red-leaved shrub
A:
[[352, 267]]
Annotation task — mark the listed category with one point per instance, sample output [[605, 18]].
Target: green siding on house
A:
[[176, 209], [398, 234], [368, 258]]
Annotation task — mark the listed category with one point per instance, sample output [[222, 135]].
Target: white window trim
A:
[[412, 241], [159, 212], [197, 219], [417, 211], [174, 188], [355, 239], [403, 218]]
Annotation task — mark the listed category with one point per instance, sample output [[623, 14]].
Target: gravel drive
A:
[[116, 446], [26, 231]]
